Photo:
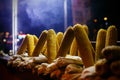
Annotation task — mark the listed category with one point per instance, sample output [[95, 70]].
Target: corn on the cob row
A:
[[73, 48], [23, 46], [51, 45], [66, 42], [30, 44], [84, 45], [40, 43], [100, 43], [35, 39], [111, 36]]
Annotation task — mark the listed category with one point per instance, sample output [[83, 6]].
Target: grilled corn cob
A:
[[35, 39], [84, 45], [66, 42], [59, 37], [111, 36], [51, 45], [44, 48], [23, 46], [85, 27], [40, 44], [100, 43], [30, 44]]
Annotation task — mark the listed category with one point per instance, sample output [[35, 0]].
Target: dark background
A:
[[99, 10]]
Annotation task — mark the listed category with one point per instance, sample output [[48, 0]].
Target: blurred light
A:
[[21, 36], [6, 34], [105, 18], [17, 40], [4, 40], [106, 23], [95, 20]]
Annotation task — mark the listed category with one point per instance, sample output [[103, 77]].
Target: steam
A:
[[45, 12]]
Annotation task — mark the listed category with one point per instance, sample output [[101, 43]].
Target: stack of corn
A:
[[74, 41]]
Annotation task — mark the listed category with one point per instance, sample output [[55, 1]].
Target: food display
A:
[[100, 43], [70, 55]]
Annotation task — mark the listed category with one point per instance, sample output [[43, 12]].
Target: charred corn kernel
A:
[[86, 29], [40, 44], [23, 46], [84, 45], [59, 37], [100, 43], [73, 48], [66, 42], [35, 39], [111, 36], [51, 45], [30, 44]]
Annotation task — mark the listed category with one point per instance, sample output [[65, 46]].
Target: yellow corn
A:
[[79, 53], [85, 27], [84, 45], [100, 43], [51, 45], [59, 37], [111, 36], [30, 44], [44, 48], [23, 46], [57, 45], [66, 42], [40, 44], [73, 48], [35, 39]]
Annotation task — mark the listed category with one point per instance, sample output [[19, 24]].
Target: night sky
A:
[[5, 15], [99, 9], [108, 8]]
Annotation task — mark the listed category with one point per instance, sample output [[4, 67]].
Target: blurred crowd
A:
[[5, 42]]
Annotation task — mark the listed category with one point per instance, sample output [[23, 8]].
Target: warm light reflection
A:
[[105, 18], [95, 20]]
